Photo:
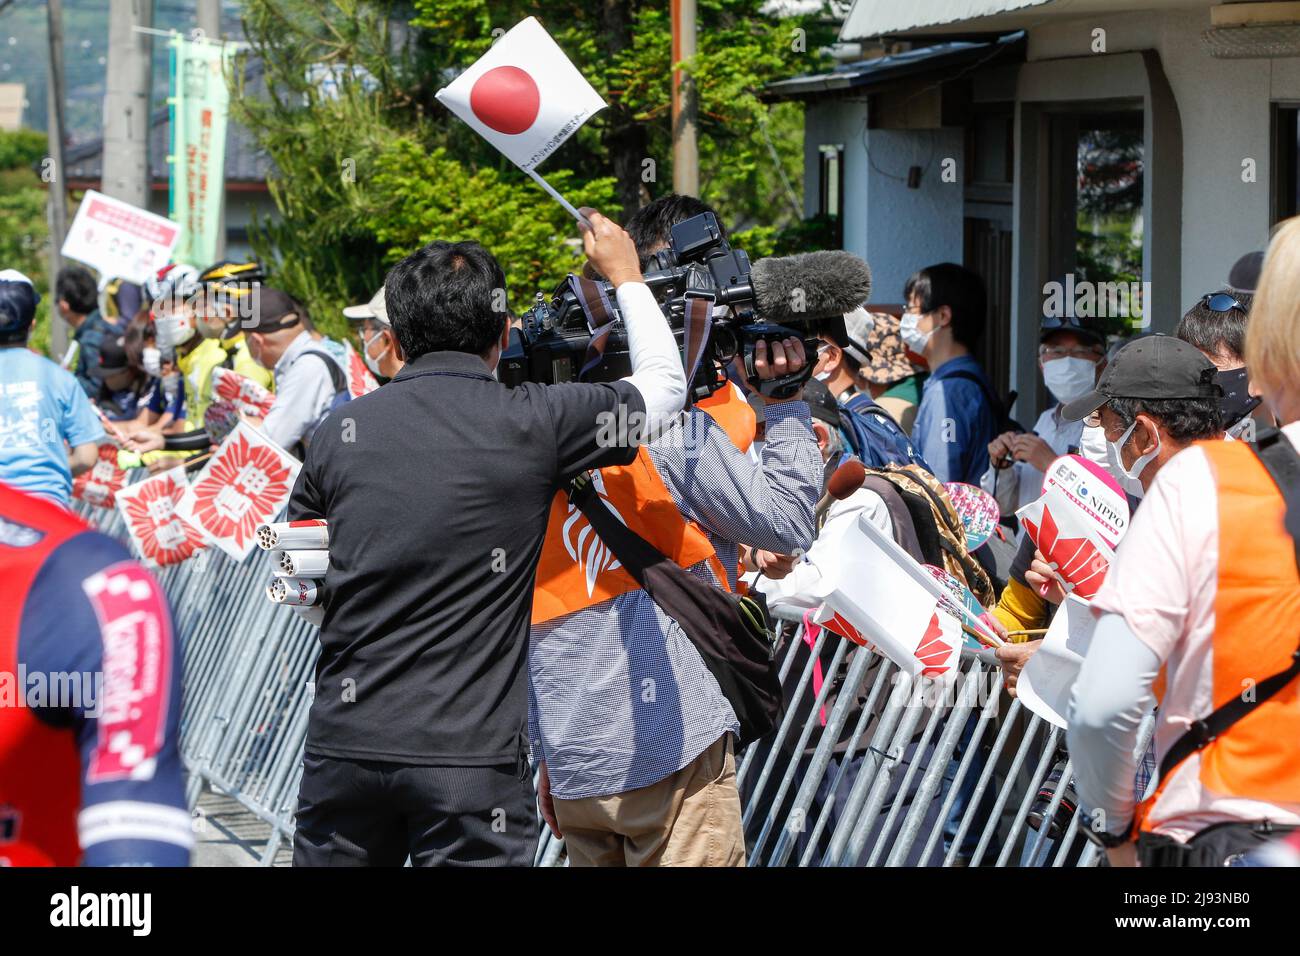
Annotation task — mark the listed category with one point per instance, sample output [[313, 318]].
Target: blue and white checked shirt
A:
[[618, 696]]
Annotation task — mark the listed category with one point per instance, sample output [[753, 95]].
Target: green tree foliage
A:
[[532, 237], [371, 165], [24, 231]]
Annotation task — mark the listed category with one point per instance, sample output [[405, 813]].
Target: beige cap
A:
[[375, 309]]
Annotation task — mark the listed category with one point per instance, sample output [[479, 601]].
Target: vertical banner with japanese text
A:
[[199, 105]]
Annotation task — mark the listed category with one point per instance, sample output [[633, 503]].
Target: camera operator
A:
[[437, 489], [632, 733]]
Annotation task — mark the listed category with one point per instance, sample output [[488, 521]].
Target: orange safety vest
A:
[[577, 570], [1257, 627]]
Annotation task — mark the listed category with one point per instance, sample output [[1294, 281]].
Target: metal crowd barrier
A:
[[927, 774]]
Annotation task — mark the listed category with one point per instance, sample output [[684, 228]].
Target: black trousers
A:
[[373, 813]]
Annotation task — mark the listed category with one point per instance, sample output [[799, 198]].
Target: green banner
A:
[[199, 105]]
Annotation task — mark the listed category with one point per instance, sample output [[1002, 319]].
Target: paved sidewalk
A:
[[225, 834]]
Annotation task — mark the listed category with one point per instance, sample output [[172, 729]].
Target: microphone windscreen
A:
[[809, 286], [847, 479]]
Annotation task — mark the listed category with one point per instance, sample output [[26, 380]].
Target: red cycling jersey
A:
[[89, 694]]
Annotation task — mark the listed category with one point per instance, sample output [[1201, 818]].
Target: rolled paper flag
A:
[[300, 592], [312, 533], [315, 616], [299, 564]]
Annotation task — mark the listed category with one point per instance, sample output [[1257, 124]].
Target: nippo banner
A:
[[523, 95], [1069, 542], [149, 510], [245, 484], [248, 397], [1094, 492], [120, 240], [1078, 522], [200, 102], [102, 482], [360, 381]]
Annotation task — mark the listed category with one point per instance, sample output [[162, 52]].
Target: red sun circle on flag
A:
[[506, 99]]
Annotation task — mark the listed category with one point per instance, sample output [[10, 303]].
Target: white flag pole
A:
[[558, 198]]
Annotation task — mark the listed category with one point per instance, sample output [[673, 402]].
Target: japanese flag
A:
[[523, 95], [245, 483], [149, 509]]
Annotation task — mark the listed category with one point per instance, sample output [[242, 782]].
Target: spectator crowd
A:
[[478, 633]]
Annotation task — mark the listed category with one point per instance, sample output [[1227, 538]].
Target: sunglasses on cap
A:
[[1221, 302]]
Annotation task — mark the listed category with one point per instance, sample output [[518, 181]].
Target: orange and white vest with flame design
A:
[[578, 571], [1256, 629]]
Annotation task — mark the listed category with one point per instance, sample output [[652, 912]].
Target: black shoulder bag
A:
[[1283, 464], [730, 631]]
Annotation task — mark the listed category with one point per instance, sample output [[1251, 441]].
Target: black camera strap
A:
[[697, 325], [593, 297], [729, 631]]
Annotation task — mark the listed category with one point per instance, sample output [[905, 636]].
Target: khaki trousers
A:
[[691, 818]]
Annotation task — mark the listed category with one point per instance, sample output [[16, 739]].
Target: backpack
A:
[[337, 379], [341, 394], [938, 528], [1001, 410], [874, 437]]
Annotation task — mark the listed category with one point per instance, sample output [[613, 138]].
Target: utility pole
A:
[[209, 22], [125, 173], [209, 18], [686, 155], [53, 174]]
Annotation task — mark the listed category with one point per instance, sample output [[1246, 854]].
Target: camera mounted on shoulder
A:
[[718, 305]]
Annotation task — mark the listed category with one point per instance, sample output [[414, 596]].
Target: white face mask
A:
[[173, 329], [1069, 378], [372, 363], [151, 361], [1094, 447], [1115, 453], [912, 336], [171, 385]]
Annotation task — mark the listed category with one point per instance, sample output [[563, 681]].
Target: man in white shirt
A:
[[1071, 356], [308, 379]]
